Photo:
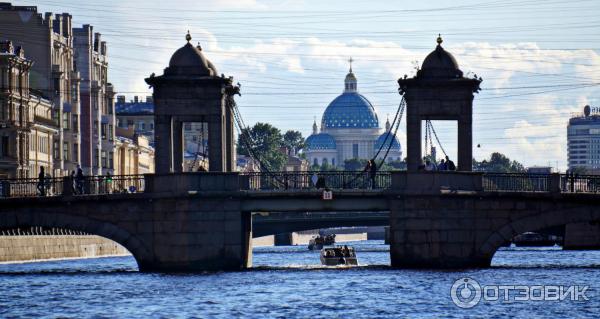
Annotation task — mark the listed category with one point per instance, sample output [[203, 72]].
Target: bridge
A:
[[178, 221], [199, 221]]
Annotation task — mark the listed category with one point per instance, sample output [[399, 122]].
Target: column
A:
[[229, 141], [177, 146], [162, 141], [216, 143], [465, 144], [413, 141]]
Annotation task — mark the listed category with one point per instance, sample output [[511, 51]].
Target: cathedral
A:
[[350, 129]]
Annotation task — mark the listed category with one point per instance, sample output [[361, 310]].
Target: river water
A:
[[289, 282]]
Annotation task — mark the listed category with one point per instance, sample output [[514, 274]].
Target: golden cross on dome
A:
[[439, 39], [350, 61], [188, 37]]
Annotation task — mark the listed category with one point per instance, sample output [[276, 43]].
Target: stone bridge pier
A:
[[430, 228]]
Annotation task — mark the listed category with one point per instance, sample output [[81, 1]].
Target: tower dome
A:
[[350, 109], [440, 63], [189, 60], [384, 141], [320, 141]]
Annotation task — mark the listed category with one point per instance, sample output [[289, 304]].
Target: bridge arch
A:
[[120, 235], [535, 222]]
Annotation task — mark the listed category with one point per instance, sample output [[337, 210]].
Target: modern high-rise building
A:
[[48, 41], [97, 107], [583, 139]]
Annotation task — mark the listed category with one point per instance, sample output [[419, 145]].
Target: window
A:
[[66, 151], [103, 131], [152, 126], [355, 150], [333, 161], [142, 126], [75, 152], [66, 120], [111, 160], [104, 163], [56, 149], [188, 126], [110, 132], [315, 162], [75, 120], [96, 154], [4, 147]]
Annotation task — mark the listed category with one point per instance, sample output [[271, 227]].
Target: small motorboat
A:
[[339, 255], [320, 241]]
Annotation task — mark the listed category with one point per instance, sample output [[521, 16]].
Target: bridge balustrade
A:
[[314, 180], [516, 182], [60, 186], [297, 181]]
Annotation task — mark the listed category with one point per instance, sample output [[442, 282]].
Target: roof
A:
[[350, 110], [321, 141], [388, 138], [133, 108]]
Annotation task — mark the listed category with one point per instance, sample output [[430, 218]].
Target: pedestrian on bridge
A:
[[371, 169], [79, 178], [450, 164], [41, 185]]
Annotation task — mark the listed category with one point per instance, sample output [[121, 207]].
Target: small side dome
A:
[[391, 139], [321, 141], [189, 60], [440, 64]]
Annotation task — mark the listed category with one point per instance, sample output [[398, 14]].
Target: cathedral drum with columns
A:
[[350, 129]]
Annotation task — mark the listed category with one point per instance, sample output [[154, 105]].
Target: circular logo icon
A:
[[466, 293]]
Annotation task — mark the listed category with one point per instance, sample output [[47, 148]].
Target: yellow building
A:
[[133, 154]]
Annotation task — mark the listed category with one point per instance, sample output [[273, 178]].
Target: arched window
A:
[[315, 162], [324, 162], [333, 161]]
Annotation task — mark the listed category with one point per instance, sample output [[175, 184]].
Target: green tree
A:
[[355, 164], [266, 141], [498, 163], [293, 140]]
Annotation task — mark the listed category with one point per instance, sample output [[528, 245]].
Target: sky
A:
[[539, 60]]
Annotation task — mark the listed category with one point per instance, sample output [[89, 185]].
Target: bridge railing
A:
[[580, 183], [29, 187], [517, 182], [60, 186], [314, 180]]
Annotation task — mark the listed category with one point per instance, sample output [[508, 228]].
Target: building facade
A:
[[350, 129], [133, 154], [138, 115], [97, 106], [27, 128], [583, 140], [48, 40]]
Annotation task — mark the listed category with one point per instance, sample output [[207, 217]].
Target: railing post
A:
[[67, 186], [149, 183], [554, 186]]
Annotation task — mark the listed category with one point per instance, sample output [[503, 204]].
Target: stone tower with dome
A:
[[349, 129], [191, 91]]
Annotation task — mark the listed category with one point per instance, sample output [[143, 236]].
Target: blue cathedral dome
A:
[[351, 109], [321, 141], [390, 140]]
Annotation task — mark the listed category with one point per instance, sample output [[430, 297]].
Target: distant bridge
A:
[[197, 221]]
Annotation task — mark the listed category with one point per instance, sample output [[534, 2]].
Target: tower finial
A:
[[350, 61], [439, 39], [188, 36]]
